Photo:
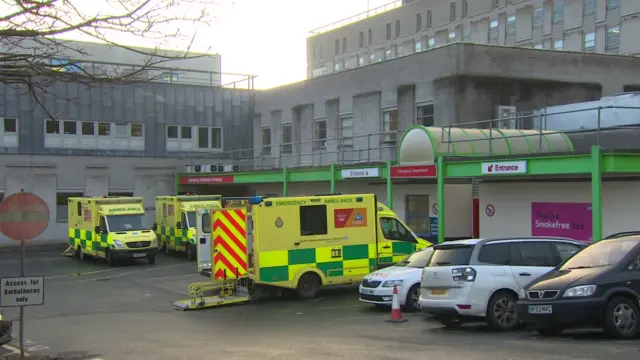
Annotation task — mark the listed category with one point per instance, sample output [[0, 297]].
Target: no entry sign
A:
[[23, 216]]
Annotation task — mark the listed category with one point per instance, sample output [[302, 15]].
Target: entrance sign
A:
[[504, 167], [360, 173], [571, 220], [22, 291], [414, 171]]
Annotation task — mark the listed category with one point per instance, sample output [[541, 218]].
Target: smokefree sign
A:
[[572, 220]]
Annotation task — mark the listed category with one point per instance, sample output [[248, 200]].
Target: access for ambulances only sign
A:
[[22, 291]]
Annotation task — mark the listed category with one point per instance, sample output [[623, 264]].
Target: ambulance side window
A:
[[392, 229], [79, 208], [313, 220], [205, 220]]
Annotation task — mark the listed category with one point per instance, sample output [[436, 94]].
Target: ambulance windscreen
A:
[[130, 222], [191, 219]]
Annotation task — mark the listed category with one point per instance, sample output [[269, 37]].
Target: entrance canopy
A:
[[421, 144]]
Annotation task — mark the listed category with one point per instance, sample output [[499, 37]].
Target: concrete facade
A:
[[600, 26], [461, 83]]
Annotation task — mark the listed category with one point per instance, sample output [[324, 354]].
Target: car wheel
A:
[[412, 302], [110, 260], [450, 322], [501, 312], [621, 318], [550, 331], [151, 259], [308, 286]]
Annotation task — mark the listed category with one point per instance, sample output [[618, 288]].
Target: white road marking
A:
[[135, 272], [14, 349], [167, 277], [79, 274]]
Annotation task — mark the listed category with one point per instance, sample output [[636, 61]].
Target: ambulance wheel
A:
[[79, 253], [190, 252], [110, 260], [308, 286], [151, 259]]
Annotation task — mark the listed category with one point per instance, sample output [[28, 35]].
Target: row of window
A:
[[589, 8], [345, 130], [93, 128], [612, 41], [198, 138]]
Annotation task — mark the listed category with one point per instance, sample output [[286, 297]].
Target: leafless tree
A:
[[34, 54]]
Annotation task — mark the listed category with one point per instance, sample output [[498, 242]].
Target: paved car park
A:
[[95, 312]]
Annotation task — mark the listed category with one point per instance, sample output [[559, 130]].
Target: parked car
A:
[[5, 329], [600, 286], [480, 279], [377, 287], [622, 234]]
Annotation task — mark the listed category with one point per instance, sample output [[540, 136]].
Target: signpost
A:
[[23, 216]]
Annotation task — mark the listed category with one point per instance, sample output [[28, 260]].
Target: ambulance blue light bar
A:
[[253, 200]]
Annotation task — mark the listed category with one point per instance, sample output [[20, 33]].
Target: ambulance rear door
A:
[[203, 240]]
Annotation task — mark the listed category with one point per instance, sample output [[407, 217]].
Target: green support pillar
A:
[[333, 178], [440, 188], [596, 192], [389, 186], [285, 182]]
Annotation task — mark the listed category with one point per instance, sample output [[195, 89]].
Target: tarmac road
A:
[[92, 312]]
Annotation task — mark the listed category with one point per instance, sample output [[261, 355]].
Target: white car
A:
[[377, 287], [482, 278]]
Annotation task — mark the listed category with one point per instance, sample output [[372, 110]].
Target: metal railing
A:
[[584, 127], [358, 149], [355, 18]]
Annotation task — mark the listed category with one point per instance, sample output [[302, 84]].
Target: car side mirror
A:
[[154, 227], [179, 224], [97, 229]]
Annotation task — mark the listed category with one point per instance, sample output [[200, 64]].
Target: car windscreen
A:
[[418, 259], [451, 255], [127, 222], [602, 253], [191, 218]]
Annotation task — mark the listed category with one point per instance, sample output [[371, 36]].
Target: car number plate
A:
[[139, 255], [367, 291], [439, 292], [540, 309]]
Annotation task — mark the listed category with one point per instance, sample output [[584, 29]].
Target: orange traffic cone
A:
[[396, 314]]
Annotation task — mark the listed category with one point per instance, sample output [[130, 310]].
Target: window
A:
[[558, 44], [558, 11], [601, 254], [496, 4], [431, 43], [397, 28], [172, 132], [425, 115], [537, 46], [590, 41], [205, 220], [389, 125], [88, 128], [337, 47], [104, 129], [495, 254], [136, 130], [418, 22], [612, 4], [466, 33], [10, 125], [418, 45], [318, 71], [533, 253], [589, 7], [370, 37], [185, 132], [511, 24], [122, 130], [429, 19], [417, 260], [538, 17], [62, 204], [361, 39], [78, 208], [313, 220], [613, 37], [320, 134], [392, 229], [337, 65], [266, 141], [452, 12], [52, 126], [121, 193], [465, 8], [69, 127], [287, 138], [566, 250], [360, 60], [418, 213], [216, 138], [451, 37], [203, 137], [388, 54], [493, 30], [451, 255], [346, 131], [344, 44], [388, 31], [169, 77]]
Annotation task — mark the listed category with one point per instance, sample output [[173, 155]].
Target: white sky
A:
[[268, 37]]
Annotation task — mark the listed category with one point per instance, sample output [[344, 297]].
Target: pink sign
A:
[[570, 220]]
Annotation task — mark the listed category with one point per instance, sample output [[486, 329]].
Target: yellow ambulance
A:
[[303, 243], [112, 228], [175, 221]]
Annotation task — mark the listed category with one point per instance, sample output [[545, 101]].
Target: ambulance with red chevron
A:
[[299, 244]]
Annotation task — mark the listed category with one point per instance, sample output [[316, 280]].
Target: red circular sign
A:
[[23, 216]]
